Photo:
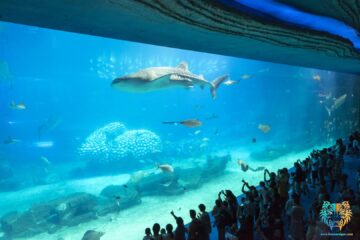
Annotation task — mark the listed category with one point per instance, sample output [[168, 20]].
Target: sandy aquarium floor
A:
[[130, 223]]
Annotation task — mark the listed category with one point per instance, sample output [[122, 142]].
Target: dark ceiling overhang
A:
[[198, 25]]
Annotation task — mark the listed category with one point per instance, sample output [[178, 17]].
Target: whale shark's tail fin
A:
[[216, 83]]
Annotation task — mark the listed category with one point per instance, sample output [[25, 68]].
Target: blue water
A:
[[64, 81], [291, 15]]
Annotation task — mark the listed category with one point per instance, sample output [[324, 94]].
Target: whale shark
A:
[[156, 78]]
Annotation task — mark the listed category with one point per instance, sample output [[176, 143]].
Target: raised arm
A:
[[173, 214], [245, 184], [219, 195], [266, 172]]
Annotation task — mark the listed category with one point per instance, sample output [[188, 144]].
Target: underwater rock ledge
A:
[[81, 207]]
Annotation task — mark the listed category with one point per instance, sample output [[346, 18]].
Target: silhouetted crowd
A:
[[286, 205]]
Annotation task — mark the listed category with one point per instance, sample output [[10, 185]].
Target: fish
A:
[[317, 77], [205, 139], [11, 140], [167, 184], [19, 106], [245, 76], [165, 168], [336, 104], [264, 128], [197, 132], [230, 82], [253, 140], [92, 235], [191, 123], [244, 166], [45, 160], [156, 78]]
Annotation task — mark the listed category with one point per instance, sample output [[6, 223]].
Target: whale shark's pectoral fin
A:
[[180, 80]]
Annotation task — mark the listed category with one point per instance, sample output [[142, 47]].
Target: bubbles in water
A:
[[105, 66], [109, 67]]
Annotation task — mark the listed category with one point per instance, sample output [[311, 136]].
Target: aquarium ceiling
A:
[[227, 27]]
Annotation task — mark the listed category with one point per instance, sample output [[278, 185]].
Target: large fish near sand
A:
[[337, 103], [156, 78], [92, 235]]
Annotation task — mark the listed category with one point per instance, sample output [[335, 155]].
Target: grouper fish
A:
[[156, 78]]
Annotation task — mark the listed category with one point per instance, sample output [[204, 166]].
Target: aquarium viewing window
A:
[[111, 136]]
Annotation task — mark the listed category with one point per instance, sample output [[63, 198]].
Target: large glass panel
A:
[[80, 153]]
